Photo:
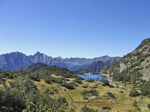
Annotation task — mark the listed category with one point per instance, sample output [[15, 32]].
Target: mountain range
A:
[[15, 60]]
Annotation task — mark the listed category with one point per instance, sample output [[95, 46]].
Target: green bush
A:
[[86, 109], [111, 95], [134, 93], [85, 86], [145, 88], [78, 81], [88, 93], [148, 106], [23, 96], [106, 83], [49, 81], [106, 108], [91, 80], [35, 76], [135, 104], [69, 85]]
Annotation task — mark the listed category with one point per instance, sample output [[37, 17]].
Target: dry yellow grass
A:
[[8, 82], [123, 103]]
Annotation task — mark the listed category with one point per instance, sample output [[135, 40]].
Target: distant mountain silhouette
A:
[[15, 60], [98, 65]]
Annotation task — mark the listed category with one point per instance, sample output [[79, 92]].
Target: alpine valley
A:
[[48, 84]]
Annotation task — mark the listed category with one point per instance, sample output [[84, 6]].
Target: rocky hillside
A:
[[132, 67]]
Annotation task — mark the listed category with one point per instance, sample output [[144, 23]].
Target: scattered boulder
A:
[[112, 101]]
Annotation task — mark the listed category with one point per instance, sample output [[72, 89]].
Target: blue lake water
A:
[[97, 77]]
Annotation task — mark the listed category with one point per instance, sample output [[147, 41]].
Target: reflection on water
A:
[[97, 77]]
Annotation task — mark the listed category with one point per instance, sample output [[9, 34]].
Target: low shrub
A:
[[106, 108]]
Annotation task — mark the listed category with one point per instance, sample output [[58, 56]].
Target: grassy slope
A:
[[124, 103]]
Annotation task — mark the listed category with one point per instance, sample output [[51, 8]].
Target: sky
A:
[[73, 28]]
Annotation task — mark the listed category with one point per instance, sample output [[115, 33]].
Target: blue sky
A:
[[73, 28]]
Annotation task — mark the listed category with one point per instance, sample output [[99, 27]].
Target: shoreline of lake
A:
[[107, 77], [97, 77]]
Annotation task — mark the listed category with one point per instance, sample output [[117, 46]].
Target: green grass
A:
[[124, 103]]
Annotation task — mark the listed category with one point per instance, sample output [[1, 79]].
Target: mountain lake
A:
[[97, 77]]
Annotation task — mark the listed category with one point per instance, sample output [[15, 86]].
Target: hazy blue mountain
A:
[[98, 65], [16, 59]]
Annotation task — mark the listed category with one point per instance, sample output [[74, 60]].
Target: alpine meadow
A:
[[74, 56]]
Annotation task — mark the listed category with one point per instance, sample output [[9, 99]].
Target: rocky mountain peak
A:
[[38, 53], [145, 43]]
